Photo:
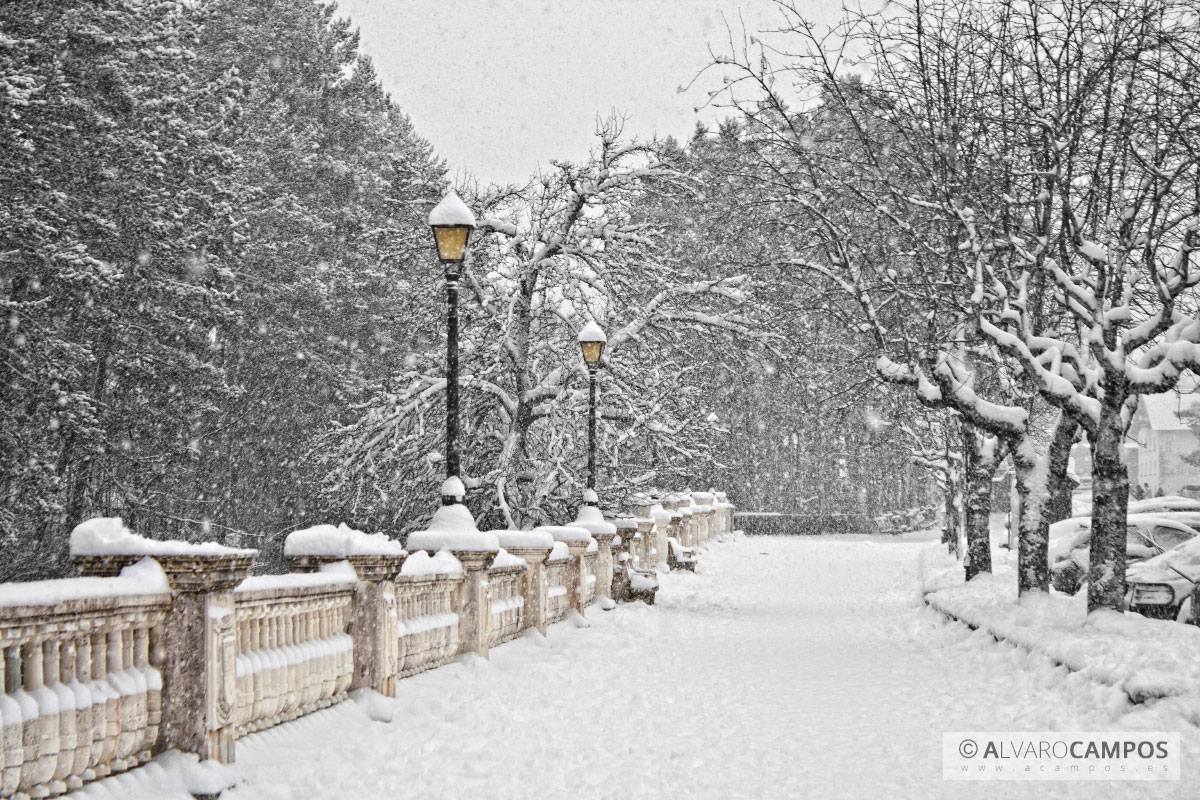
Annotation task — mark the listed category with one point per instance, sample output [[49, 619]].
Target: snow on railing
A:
[[171, 645]]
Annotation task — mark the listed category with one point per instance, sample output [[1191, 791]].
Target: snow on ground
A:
[[1145, 657], [787, 667]]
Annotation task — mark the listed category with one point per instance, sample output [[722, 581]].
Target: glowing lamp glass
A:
[[452, 242], [592, 351]]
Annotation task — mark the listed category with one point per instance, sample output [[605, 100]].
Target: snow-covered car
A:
[[1168, 504], [1161, 587], [1146, 536]]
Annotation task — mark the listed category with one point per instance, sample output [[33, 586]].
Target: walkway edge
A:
[[1136, 696]]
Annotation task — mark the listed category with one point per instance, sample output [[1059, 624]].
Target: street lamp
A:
[[452, 223], [591, 342]]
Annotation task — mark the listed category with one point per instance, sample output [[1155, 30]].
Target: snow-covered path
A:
[[789, 667]]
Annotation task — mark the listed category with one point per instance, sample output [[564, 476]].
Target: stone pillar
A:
[[604, 564], [374, 618], [472, 608], [626, 528], [533, 584], [645, 527], [576, 582], [199, 688]]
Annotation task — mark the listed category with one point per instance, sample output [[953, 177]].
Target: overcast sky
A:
[[503, 86]]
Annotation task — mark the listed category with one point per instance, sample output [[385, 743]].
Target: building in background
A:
[[1163, 437]]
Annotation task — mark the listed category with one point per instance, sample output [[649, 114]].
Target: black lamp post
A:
[[452, 223], [591, 342]]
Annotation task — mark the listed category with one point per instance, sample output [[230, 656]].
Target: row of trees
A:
[[222, 319], [210, 250], [1009, 207]]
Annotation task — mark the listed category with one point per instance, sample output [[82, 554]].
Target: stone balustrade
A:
[[506, 604], [294, 654], [558, 603], [588, 576], [169, 645], [427, 624], [82, 686]]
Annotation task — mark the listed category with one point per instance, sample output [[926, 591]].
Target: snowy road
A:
[[790, 667]]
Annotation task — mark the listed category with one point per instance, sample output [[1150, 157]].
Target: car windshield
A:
[[1166, 537], [1184, 557]]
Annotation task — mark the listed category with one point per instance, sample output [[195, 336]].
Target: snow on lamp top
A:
[[453, 528], [108, 536], [326, 540], [452, 211], [592, 333]]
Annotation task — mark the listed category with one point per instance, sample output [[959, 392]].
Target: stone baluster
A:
[[472, 605], [75, 669], [278, 668], [604, 563], [46, 751], [14, 687], [533, 584], [114, 674], [52, 677], [312, 664], [645, 527], [623, 544], [330, 671], [151, 678], [577, 575], [12, 751], [105, 719]]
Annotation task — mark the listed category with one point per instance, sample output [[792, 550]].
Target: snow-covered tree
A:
[[576, 244]]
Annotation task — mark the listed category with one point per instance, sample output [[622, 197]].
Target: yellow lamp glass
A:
[[592, 351], [452, 242]]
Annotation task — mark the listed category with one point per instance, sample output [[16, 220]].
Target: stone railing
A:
[[82, 687], [427, 627], [505, 604], [588, 577], [168, 645], [558, 600], [294, 654]]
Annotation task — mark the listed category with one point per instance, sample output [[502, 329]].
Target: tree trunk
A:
[[1060, 486], [1110, 502], [980, 462], [953, 522], [1038, 480]]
